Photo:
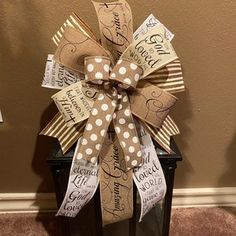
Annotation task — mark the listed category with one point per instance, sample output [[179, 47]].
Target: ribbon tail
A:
[[149, 176], [163, 134], [116, 185], [82, 185], [126, 132], [97, 126], [66, 136]]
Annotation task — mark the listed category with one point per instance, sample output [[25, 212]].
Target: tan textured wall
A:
[[206, 113]]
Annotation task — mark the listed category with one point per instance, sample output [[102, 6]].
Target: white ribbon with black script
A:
[[149, 178], [56, 76], [82, 185]]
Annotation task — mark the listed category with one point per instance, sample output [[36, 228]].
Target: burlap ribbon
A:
[[117, 69], [148, 102]]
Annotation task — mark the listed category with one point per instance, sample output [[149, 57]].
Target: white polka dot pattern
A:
[[97, 125], [97, 69], [109, 106], [126, 133], [127, 73]]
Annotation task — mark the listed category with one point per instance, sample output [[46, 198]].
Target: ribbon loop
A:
[[151, 104], [73, 47], [97, 69], [116, 26], [126, 73]]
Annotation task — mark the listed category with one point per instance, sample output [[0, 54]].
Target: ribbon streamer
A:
[[83, 182], [149, 178], [116, 185]]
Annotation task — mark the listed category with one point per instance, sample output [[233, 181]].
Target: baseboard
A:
[[27, 202], [188, 197], [204, 197]]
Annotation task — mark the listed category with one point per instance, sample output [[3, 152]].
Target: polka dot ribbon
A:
[[112, 105]]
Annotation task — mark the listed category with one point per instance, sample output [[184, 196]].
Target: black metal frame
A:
[[59, 163]]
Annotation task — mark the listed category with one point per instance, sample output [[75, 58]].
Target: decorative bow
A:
[[147, 102], [125, 74]]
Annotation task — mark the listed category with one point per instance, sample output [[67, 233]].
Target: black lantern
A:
[[89, 222]]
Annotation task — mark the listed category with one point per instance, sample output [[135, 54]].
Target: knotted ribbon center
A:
[[112, 105]]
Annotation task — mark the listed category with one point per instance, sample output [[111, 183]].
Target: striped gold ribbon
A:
[[169, 78], [162, 135], [75, 22], [66, 136]]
